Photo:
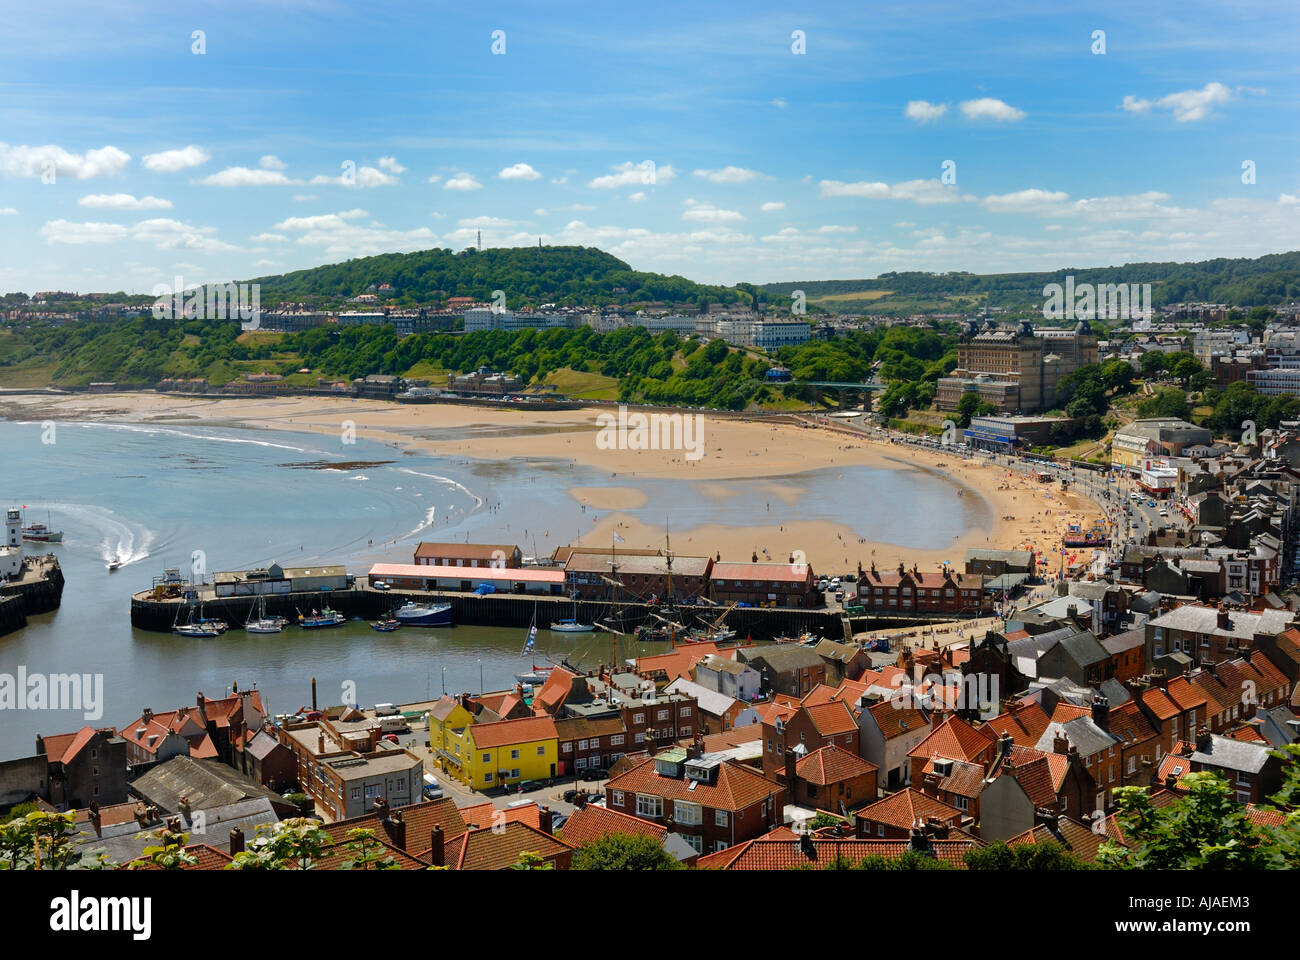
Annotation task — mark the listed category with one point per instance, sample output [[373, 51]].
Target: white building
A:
[[11, 554], [486, 318]]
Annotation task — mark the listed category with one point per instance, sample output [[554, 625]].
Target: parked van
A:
[[395, 724], [386, 709]]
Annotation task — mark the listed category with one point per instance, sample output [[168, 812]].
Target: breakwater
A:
[[492, 610], [38, 590]]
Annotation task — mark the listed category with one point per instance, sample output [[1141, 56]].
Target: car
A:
[[1151, 503], [380, 585], [594, 773], [519, 803], [390, 737], [595, 798], [558, 820], [433, 793], [571, 795], [839, 596], [527, 786]]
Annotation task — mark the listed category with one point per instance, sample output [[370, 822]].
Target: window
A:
[[696, 843], [566, 748], [685, 711], [616, 797], [662, 715], [647, 806], [880, 829], [719, 846], [356, 793], [961, 803], [514, 754], [638, 718], [487, 777], [720, 818], [686, 731], [541, 751], [687, 813], [487, 758], [639, 738], [514, 773], [616, 740], [580, 763], [582, 744]]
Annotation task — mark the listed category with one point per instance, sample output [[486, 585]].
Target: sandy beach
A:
[[1026, 513]]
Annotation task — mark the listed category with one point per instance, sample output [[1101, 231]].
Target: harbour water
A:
[[161, 495]]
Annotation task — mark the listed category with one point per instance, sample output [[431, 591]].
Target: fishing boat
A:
[[386, 625], [571, 624], [411, 614], [41, 533], [263, 623], [324, 618]]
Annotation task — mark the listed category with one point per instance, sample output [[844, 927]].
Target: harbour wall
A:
[[34, 594], [491, 610]]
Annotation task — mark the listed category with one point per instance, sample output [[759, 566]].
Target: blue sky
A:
[[768, 164]]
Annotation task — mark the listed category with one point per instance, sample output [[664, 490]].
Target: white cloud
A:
[[247, 177], [519, 171], [462, 181], [304, 197], [170, 161], [266, 263], [922, 111], [731, 175], [1186, 105], [487, 222], [631, 174], [708, 213], [163, 233], [10, 211], [124, 201], [363, 177], [637, 197], [340, 238], [836, 228], [65, 231], [271, 162], [988, 108], [772, 206], [779, 103], [1283, 198], [919, 191], [435, 177], [1025, 201], [391, 165], [25, 161], [269, 238]]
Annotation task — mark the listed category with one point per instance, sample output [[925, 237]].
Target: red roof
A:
[[762, 572], [503, 732], [593, 822], [956, 740], [735, 787], [782, 854], [437, 571], [832, 764], [831, 719], [904, 808]]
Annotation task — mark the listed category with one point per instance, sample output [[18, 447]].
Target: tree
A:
[[531, 861], [367, 852], [168, 852], [290, 844], [1205, 830], [970, 405], [621, 851], [1047, 855]]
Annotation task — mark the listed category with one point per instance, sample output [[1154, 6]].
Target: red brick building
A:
[[911, 591], [809, 728], [714, 803]]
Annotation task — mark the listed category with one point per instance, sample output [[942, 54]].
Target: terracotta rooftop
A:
[[832, 764]]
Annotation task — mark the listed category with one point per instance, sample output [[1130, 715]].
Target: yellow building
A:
[[504, 752], [448, 721]]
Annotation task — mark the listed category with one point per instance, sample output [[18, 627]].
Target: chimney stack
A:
[[546, 819], [1060, 744], [791, 762], [1203, 738], [313, 693], [1101, 712], [437, 853], [1224, 622], [396, 827], [236, 841]]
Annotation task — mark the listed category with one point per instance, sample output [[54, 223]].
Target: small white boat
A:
[[571, 626], [196, 630], [113, 564], [263, 623]]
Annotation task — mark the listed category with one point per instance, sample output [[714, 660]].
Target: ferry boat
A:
[[325, 618], [411, 614], [41, 533]]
